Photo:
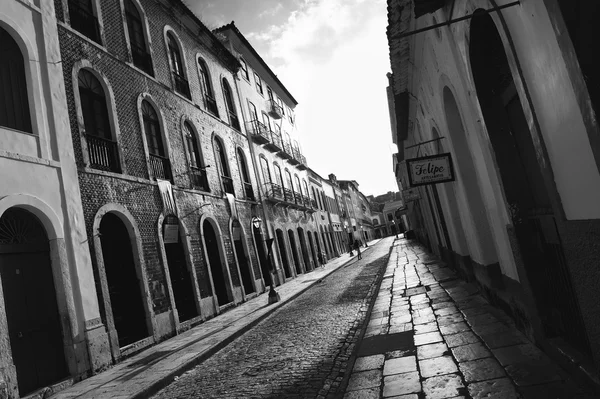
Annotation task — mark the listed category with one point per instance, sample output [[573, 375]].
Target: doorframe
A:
[[246, 253], [135, 239]]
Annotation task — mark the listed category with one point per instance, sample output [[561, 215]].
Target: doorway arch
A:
[[304, 250], [216, 263], [180, 274], [242, 256], [283, 253], [524, 186], [312, 248], [295, 252], [30, 301]]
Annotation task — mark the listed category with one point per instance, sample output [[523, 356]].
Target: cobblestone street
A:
[[433, 336], [302, 350]]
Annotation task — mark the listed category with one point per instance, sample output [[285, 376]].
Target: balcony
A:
[[313, 203], [181, 85], [274, 192], [288, 196], [84, 21], [103, 154], [275, 110], [260, 132], [160, 168], [141, 58], [295, 155], [211, 105], [276, 143], [302, 162], [199, 179], [286, 151], [248, 192], [227, 184], [307, 202]]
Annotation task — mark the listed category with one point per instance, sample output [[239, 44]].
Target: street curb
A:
[[163, 382]]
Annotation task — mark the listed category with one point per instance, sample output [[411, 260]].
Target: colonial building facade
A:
[[510, 90]]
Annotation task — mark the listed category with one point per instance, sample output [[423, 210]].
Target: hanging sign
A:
[[430, 170], [411, 194]]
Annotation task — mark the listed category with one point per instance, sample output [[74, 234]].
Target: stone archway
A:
[[295, 252], [241, 252], [215, 262], [283, 253]]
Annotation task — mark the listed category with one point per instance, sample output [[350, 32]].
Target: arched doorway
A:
[[524, 185], [212, 245], [181, 280], [312, 248], [316, 235], [304, 249], [283, 253], [262, 256], [32, 316], [242, 257], [125, 294], [295, 251]]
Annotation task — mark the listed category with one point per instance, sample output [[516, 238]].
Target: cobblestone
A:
[[303, 349]]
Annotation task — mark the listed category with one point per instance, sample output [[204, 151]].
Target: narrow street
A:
[[302, 350]]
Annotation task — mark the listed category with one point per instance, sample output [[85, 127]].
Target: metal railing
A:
[[103, 153], [199, 179], [181, 85], [276, 139], [160, 168], [274, 191], [275, 110], [141, 58], [248, 191], [84, 21], [227, 184], [288, 195], [211, 105], [260, 129]]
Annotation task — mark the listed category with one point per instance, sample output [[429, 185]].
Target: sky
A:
[[332, 55]]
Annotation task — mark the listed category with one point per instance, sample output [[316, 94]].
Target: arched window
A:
[[84, 20], [197, 170], [306, 192], [266, 120], [248, 192], [102, 148], [289, 190], [233, 118], [209, 96], [278, 176], [223, 167], [160, 167], [14, 103], [140, 53], [177, 69]]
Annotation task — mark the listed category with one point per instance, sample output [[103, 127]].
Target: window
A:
[[278, 176], [264, 166], [244, 69], [248, 192], [14, 102], [297, 188], [305, 188], [209, 97], [290, 116], [223, 167], [197, 171], [83, 19], [160, 167], [270, 93], [390, 217], [280, 105], [135, 28], [177, 69], [266, 120], [233, 118], [102, 149], [258, 81], [253, 113]]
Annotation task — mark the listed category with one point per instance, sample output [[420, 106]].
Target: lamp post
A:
[[273, 295]]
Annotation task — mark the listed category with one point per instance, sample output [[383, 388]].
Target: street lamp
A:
[[273, 295]]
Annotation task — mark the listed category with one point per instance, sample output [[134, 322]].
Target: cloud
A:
[[271, 12]]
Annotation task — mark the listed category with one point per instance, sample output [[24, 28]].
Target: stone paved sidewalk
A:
[[432, 335]]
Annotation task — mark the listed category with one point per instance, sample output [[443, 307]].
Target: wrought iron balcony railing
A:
[[227, 184], [141, 58], [249, 192], [276, 142], [273, 191], [199, 179], [160, 168], [288, 195], [103, 154], [84, 21], [211, 105], [181, 85], [275, 110], [260, 132]]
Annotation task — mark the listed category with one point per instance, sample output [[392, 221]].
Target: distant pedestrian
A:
[[357, 248]]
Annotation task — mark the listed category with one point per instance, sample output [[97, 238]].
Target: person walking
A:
[[357, 248]]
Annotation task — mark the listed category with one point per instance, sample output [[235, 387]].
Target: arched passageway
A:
[[304, 249], [312, 248], [524, 185], [242, 257], [212, 246], [179, 271], [295, 251], [32, 316], [125, 294], [262, 256], [283, 253]]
